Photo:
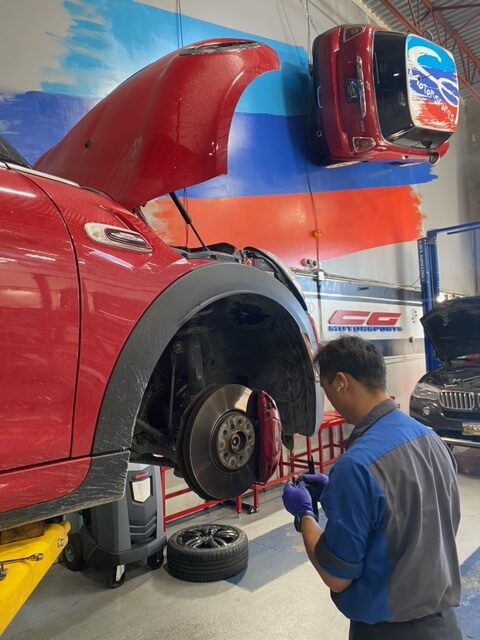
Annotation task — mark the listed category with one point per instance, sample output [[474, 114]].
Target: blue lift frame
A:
[[429, 275]]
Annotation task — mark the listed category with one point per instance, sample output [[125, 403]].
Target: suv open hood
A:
[[164, 128], [454, 327]]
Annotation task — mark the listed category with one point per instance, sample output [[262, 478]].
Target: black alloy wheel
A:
[[207, 552]]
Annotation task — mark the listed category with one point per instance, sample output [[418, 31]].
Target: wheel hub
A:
[[208, 536], [217, 444], [235, 440]]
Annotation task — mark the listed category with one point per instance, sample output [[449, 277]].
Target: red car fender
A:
[[116, 287]]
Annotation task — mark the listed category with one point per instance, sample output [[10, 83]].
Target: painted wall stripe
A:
[[267, 154], [285, 225]]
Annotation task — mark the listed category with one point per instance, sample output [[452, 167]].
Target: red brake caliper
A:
[[270, 429]]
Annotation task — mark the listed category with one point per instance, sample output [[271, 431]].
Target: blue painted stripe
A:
[[469, 612], [130, 35], [267, 154], [35, 121]]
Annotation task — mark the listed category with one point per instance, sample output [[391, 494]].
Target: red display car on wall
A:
[[116, 346], [383, 96]]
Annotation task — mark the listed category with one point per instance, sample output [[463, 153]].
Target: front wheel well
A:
[[253, 327], [244, 339]]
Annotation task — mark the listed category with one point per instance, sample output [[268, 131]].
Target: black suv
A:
[[447, 399]]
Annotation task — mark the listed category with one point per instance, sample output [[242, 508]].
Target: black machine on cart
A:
[[119, 533]]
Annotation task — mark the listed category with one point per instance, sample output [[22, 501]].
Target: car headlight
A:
[[425, 391]]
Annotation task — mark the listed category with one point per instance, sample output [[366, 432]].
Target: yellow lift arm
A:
[[32, 559]]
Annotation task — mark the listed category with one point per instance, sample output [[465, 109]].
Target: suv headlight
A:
[[425, 391]]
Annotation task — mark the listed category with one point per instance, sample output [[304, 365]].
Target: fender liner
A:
[[171, 309]]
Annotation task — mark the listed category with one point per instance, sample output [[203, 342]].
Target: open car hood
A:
[[164, 128], [454, 327]]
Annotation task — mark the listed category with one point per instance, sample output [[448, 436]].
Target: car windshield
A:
[[8, 154], [390, 76]]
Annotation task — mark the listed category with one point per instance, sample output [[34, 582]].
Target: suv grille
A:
[[459, 400]]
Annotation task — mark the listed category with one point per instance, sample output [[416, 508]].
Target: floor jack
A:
[[23, 563]]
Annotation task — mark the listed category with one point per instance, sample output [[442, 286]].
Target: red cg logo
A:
[[364, 318]]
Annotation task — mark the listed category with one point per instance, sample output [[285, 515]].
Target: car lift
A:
[[429, 275], [23, 564]]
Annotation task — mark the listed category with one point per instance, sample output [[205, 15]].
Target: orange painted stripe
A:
[[321, 226]]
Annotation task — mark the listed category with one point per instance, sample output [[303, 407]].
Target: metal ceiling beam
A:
[[469, 73], [453, 7], [470, 20]]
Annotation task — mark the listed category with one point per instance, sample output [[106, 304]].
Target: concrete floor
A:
[[280, 596]]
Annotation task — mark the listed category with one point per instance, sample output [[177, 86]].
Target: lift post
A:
[[22, 566], [429, 274]]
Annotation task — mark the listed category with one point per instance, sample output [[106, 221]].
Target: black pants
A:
[[438, 626]]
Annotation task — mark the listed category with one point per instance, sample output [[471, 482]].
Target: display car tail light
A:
[[363, 144], [351, 32]]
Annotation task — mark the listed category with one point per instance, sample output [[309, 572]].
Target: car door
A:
[[39, 320]]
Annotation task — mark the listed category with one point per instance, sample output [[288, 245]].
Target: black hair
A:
[[357, 357]]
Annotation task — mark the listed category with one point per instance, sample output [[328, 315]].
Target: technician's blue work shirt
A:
[[393, 511]]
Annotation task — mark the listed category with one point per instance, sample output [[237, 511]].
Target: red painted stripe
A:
[[321, 226]]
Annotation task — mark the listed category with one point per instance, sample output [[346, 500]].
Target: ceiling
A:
[[451, 23]]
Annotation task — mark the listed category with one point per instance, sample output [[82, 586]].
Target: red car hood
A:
[[164, 128]]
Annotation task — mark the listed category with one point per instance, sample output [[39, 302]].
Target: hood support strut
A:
[[186, 217]]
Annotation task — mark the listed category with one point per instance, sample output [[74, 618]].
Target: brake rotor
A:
[[219, 442]]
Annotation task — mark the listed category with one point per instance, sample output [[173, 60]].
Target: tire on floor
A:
[[207, 552]]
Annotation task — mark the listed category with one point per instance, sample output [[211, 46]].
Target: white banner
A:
[[371, 320]]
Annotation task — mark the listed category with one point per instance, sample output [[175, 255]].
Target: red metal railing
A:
[[332, 425], [297, 462]]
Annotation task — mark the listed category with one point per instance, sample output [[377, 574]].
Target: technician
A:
[[388, 551]]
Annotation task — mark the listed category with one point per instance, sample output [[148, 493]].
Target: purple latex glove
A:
[[315, 483], [296, 498]]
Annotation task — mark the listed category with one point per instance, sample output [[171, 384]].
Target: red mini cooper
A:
[[116, 346], [383, 96]]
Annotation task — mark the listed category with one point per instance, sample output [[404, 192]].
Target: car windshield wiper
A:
[[9, 154]]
